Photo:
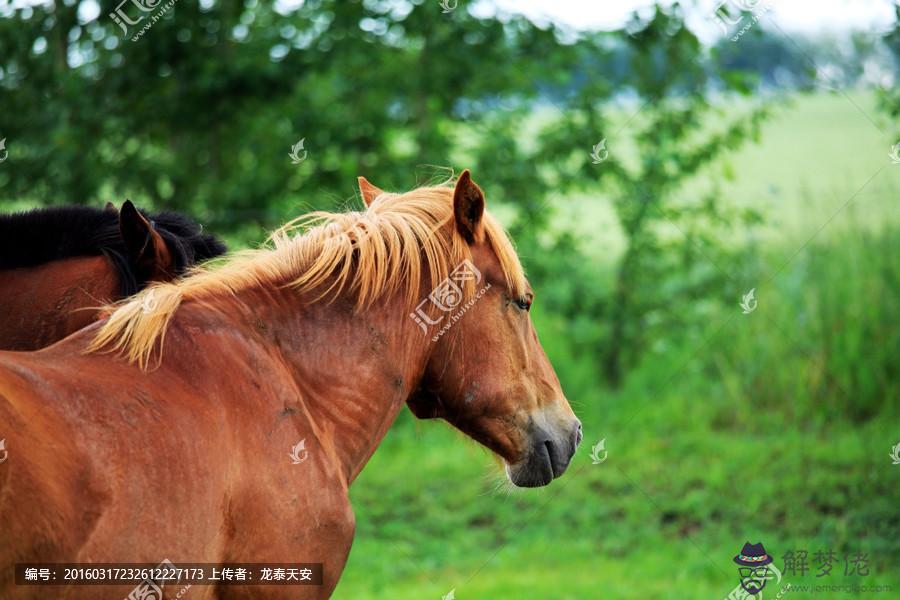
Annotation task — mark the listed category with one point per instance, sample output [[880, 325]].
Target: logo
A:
[[895, 453], [723, 18], [748, 302], [299, 453], [895, 152], [121, 19], [755, 569], [148, 301], [596, 449], [447, 295], [451, 595], [295, 154], [4, 453], [599, 153], [3, 151], [449, 6], [148, 589]]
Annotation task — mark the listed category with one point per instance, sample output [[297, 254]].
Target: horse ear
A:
[[111, 208], [368, 191], [468, 208], [146, 249]]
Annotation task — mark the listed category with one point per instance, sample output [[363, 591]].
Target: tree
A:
[[659, 273], [201, 111]]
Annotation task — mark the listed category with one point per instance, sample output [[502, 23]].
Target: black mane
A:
[[43, 235]]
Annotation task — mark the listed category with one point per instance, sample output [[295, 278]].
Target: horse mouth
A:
[[543, 464]]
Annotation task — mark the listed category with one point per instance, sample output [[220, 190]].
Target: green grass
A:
[[774, 426], [678, 483]]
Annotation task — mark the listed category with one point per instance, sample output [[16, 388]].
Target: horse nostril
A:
[[552, 457], [578, 434], [548, 445]]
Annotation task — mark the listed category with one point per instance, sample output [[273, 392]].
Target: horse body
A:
[[59, 265], [45, 303], [123, 469], [190, 460]]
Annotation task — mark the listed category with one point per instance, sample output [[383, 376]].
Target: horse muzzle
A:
[[547, 458]]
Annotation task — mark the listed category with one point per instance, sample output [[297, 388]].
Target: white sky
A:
[[791, 15]]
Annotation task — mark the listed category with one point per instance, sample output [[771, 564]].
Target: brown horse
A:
[[58, 265], [320, 339]]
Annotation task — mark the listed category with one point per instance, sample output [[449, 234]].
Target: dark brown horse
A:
[[58, 265], [321, 339]]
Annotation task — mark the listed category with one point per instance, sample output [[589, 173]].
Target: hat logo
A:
[[753, 567]]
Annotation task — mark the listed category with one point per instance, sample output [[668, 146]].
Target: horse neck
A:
[[354, 370]]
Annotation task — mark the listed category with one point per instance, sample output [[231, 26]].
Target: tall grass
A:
[[823, 343]]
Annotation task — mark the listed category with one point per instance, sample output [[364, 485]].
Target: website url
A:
[[846, 588], [153, 19]]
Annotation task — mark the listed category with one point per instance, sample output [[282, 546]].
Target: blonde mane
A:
[[370, 253]]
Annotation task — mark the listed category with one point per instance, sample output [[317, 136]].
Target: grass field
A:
[[774, 426]]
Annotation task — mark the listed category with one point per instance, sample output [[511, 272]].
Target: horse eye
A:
[[523, 303]]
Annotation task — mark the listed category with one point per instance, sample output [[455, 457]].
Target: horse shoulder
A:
[[52, 491]]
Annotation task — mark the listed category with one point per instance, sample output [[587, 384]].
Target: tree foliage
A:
[[200, 113]]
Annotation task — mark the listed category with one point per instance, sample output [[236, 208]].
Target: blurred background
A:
[[655, 162]]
